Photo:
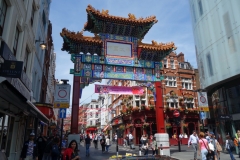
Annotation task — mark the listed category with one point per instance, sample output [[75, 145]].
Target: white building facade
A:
[[216, 28]]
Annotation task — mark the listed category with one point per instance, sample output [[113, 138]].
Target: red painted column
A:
[[75, 104], [159, 108]]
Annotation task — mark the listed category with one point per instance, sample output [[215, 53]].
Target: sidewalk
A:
[[187, 153]]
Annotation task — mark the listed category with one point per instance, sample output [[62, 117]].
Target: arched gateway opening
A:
[[116, 51]]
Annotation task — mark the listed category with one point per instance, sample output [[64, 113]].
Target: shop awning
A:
[[105, 128], [34, 110]]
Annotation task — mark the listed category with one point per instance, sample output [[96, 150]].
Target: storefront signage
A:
[[176, 113], [62, 96], [225, 117], [6, 54], [203, 101], [119, 90], [11, 69]]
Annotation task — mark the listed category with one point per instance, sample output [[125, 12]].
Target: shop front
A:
[[18, 116]]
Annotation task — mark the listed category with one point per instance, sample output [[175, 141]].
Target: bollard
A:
[[140, 153]]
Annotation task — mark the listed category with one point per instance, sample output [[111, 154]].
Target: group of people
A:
[[43, 148], [206, 145], [145, 145]]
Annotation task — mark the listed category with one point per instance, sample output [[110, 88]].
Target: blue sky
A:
[[174, 24]]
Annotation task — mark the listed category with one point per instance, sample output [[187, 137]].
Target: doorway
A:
[[191, 128], [138, 134]]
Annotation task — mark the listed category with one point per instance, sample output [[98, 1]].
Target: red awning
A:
[[105, 128]]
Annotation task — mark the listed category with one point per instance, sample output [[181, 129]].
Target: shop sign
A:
[[225, 117], [11, 69], [203, 101], [23, 84], [176, 113]]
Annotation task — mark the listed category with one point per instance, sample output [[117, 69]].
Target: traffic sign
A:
[[202, 115], [176, 113], [62, 112], [62, 96], [202, 101]]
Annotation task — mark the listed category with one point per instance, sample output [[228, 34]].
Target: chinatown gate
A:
[[115, 51]]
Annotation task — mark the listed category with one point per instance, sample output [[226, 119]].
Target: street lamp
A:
[[42, 44]]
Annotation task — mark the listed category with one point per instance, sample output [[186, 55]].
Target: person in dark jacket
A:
[[41, 144], [103, 143], [29, 150], [48, 148], [55, 151], [87, 143]]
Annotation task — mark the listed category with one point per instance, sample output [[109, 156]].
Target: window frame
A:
[[15, 44], [171, 79], [26, 59], [187, 81]]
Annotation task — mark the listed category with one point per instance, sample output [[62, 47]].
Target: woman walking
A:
[[203, 146], [228, 147], [107, 143], [154, 147], [71, 153], [103, 143]]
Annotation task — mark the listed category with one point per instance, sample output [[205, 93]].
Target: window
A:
[[32, 15], [170, 81], [96, 106], [186, 83], [209, 62], [189, 105], [142, 102], [91, 106], [165, 63], [90, 115], [44, 20], [137, 103], [90, 122], [172, 64], [3, 11], [200, 7], [16, 42], [26, 60], [96, 115]]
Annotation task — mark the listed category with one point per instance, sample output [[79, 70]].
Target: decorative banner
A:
[[119, 90], [202, 101]]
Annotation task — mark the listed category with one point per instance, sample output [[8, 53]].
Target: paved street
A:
[[96, 154]]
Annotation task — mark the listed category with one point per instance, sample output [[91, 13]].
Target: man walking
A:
[[87, 143], [29, 150], [130, 136], [193, 140], [95, 141]]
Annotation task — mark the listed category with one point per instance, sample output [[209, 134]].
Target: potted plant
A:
[[135, 109], [168, 125], [152, 107], [145, 125]]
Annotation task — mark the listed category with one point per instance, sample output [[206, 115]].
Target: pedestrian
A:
[[55, 151], [203, 146], [103, 143], [193, 140], [214, 142], [87, 144], [130, 136], [41, 144], [48, 148], [145, 145], [29, 150], [107, 143], [237, 141], [125, 141], [71, 153], [228, 146], [95, 141], [154, 147]]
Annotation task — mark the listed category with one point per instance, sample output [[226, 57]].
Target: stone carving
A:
[[105, 12], [131, 16]]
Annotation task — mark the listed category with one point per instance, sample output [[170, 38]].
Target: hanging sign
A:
[[119, 90], [62, 96], [176, 113], [202, 101]]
